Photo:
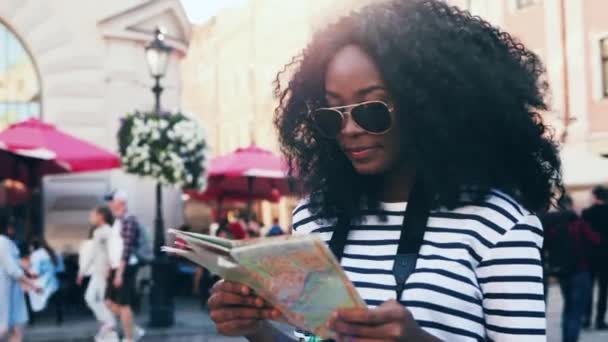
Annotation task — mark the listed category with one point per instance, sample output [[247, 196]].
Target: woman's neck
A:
[[397, 184]]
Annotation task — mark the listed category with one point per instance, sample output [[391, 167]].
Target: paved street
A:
[[554, 310], [194, 325]]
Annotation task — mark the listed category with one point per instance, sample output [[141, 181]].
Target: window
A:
[[19, 85], [604, 56], [524, 3]]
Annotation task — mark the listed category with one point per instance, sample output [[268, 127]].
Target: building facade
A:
[[80, 65], [571, 37]]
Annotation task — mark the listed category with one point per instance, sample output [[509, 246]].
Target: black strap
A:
[[412, 235]]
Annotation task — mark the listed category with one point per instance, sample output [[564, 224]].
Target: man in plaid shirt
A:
[[122, 246]]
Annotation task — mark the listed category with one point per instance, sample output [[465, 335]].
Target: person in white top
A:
[[94, 261]]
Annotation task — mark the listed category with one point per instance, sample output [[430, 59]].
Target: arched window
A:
[[19, 83]]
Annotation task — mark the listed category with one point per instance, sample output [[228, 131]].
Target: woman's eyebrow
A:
[[370, 89], [333, 95], [361, 92]]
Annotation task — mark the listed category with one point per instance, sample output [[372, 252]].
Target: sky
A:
[[11, 50], [200, 10]]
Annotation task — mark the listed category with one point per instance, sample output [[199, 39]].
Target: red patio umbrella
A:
[[31, 149], [244, 175], [42, 149]]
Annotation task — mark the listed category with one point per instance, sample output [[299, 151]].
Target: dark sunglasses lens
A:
[[373, 117], [328, 122]]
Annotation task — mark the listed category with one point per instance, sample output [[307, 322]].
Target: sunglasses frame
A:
[[346, 110]]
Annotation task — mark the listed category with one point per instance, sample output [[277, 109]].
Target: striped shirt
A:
[[478, 276]]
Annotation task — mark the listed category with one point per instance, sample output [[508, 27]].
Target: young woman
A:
[[416, 128]]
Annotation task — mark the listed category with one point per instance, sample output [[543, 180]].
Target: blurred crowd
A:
[[32, 274], [575, 254]]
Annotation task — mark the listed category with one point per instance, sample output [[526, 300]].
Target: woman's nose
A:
[[350, 127]]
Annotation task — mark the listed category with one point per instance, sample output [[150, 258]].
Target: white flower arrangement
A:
[[169, 148]]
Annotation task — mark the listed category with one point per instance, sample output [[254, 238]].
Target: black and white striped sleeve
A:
[[511, 279]]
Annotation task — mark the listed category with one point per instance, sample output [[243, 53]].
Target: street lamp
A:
[[157, 56], [161, 300]]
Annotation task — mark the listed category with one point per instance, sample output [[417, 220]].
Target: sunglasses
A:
[[374, 117]]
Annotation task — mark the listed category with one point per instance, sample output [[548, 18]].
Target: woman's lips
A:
[[361, 152]]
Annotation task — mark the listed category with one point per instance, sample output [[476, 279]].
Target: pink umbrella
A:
[[34, 143], [244, 175], [32, 149]]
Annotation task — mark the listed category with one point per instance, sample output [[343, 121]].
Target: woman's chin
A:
[[368, 169]]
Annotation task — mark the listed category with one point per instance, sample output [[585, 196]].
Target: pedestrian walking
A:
[[13, 280], [123, 242], [597, 216], [416, 129], [94, 261], [569, 240]]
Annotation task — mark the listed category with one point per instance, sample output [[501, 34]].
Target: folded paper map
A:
[[297, 274]]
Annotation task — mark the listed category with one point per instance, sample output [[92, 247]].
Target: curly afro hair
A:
[[469, 96]]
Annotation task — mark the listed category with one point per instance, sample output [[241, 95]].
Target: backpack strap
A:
[[410, 241], [412, 236], [339, 236]]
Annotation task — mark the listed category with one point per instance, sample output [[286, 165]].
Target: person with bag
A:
[[122, 249], [416, 131], [569, 240], [94, 261]]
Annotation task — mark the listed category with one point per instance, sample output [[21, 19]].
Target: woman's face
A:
[[351, 78]]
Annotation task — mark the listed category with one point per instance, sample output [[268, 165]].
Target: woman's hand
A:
[[237, 311], [29, 285], [117, 282], [389, 322], [79, 279]]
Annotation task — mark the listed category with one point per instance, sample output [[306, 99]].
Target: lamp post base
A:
[[162, 311]]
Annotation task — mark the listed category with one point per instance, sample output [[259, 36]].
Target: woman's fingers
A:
[[273, 314], [390, 331], [236, 310], [227, 314], [220, 299], [390, 321], [237, 328], [229, 286], [240, 290], [388, 312]]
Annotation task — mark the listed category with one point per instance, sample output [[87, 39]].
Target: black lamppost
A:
[[161, 299]]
